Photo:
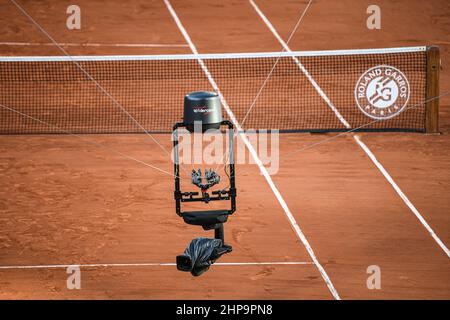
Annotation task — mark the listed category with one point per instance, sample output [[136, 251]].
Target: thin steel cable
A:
[[294, 30], [310, 146], [316, 144], [88, 75], [276, 63], [86, 140]]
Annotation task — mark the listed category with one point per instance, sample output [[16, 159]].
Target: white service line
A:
[[166, 264], [355, 136], [70, 44], [254, 154]]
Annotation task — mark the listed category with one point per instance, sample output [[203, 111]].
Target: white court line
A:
[[300, 66], [70, 44], [163, 264], [252, 151], [356, 137], [402, 195]]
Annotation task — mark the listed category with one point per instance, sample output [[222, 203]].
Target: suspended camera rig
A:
[[203, 110]]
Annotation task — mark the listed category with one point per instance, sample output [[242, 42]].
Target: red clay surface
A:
[[63, 201]]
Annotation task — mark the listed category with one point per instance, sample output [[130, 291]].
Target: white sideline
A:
[[355, 136], [401, 194], [162, 264], [252, 151], [70, 44]]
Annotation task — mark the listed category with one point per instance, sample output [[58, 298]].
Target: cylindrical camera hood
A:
[[204, 108]]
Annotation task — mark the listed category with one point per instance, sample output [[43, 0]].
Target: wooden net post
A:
[[432, 90]]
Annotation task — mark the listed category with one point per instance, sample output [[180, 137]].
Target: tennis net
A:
[[370, 89]]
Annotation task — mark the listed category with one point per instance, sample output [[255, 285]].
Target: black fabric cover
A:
[[199, 255]]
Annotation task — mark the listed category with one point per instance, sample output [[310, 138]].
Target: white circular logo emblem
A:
[[382, 92]]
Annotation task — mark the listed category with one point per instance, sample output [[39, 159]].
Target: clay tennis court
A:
[[345, 202]]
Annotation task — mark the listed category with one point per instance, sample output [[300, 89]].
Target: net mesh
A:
[[152, 89]]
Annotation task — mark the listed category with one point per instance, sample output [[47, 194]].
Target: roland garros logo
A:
[[382, 92]]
